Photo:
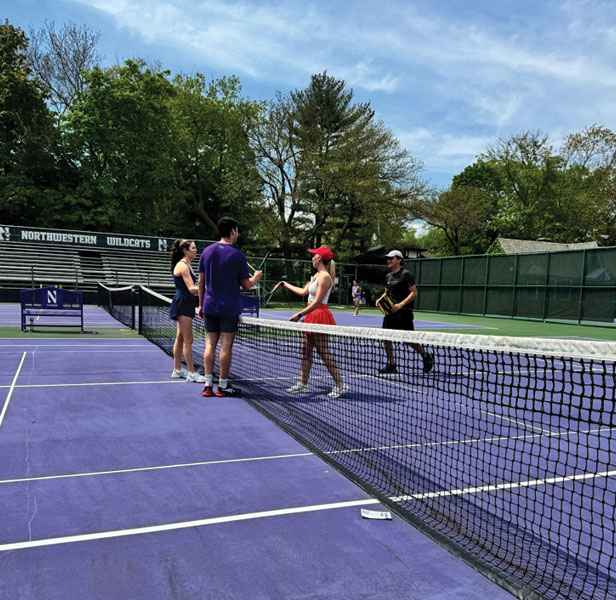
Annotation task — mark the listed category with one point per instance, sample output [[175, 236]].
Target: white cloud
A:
[[442, 151], [258, 40], [453, 81]]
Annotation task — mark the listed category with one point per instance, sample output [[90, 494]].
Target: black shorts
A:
[[221, 324], [403, 320]]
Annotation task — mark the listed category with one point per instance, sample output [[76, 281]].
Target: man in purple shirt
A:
[[222, 270]]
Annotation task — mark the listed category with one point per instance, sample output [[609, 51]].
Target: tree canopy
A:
[[534, 191], [134, 148], [331, 172], [27, 134]]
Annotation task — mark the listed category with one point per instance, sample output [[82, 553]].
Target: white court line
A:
[[502, 438], [296, 510], [93, 383], [510, 485], [184, 525], [517, 422], [300, 455], [11, 389], [97, 345], [43, 350], [157, 468], [61, 321]]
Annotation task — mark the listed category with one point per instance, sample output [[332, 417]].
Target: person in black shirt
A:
[[401, 289]]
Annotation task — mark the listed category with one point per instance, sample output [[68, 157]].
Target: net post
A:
[[134, 296], [140, 296]]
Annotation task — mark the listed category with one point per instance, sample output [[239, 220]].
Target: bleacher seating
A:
[[35, 265]]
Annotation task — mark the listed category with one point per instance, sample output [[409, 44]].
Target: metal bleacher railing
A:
[[79, 269], [35, 265]]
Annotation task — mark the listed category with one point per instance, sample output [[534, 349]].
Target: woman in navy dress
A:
[[182, 310]]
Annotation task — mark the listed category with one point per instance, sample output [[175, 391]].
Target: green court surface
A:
[[521, 328], [51, 332]]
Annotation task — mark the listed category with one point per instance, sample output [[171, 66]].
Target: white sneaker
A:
[[299, 388], [338, 391], [179, 373], [195, 378]]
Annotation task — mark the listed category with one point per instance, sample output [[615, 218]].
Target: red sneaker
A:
[[208, 390]]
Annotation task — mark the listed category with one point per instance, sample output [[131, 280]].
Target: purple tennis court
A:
[[501, 450], [118, 482]]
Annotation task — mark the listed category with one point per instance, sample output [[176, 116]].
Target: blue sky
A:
[[449, 77]]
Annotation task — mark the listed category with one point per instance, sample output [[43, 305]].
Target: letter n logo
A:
[[52, 297]]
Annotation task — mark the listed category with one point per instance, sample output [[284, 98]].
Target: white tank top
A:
[[312, 290]]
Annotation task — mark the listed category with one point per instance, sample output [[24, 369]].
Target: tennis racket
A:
[[269, 296], [262, 263], [385, 305]]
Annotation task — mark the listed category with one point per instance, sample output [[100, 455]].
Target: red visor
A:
[[323, 252]]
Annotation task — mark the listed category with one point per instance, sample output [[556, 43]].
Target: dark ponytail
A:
[[177, 251]]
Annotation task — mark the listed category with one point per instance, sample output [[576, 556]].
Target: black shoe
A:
[[428, 362], [228, 391], [208, 390], [388, 370]]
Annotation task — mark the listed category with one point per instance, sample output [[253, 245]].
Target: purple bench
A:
[[50, 302]]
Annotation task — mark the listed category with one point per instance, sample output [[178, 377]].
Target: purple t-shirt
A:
[[223, 267]]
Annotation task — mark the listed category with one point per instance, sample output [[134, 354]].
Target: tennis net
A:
[[504, 452], [119, 302]]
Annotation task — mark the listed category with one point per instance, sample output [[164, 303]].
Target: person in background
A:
[[183, 306], [401, 289], [222, 270], [356, 293], [318, 290]]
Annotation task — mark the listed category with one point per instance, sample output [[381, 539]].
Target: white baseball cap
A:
[[395, 253]]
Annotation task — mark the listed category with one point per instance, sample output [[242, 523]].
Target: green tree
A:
[[530, 172], [487, 176], [214, 164], [590, 157], [562, 195], [332, 172], [461, 216], [119, 134], [27, 136]]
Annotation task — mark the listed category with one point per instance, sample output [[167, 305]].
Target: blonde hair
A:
[[331, 269]]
